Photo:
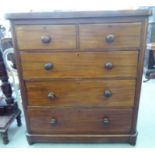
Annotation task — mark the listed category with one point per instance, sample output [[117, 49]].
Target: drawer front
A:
[[86, 92], [79, 65], [79, 120], [116, 35], [46, 36]]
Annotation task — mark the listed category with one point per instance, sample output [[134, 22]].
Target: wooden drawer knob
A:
[[51, 95], [108, 66], [46, 39], [110, 38], [53, 121], [106, 122], [107, 93], [48, 66]]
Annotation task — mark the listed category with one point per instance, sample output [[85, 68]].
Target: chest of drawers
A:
[[80, 74]]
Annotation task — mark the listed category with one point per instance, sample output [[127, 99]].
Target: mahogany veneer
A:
[[80, 74]]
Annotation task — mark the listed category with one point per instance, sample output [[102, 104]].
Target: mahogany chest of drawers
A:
[[80, 74]]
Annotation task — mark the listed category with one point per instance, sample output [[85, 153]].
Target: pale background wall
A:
[[7, 6], [56, 5]]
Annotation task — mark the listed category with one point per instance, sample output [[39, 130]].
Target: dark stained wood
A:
[[5, 123], [79, 64], [139, 74], [10, 105], [150, 72], [81, 93], [3, 73], [9, 110], [6, 89], [62, 36], [81, 138], [79, 120], [6, 120], [80, 14], [129, 67], [125, 35]]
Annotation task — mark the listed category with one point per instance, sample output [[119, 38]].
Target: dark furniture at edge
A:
[[9, 110]]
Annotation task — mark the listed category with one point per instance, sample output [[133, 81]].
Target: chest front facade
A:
[[80, 75]]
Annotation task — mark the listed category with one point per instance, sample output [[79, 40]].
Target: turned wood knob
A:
[[46, 39], [106, 122], [110, 38], [48, 66], [107, 93], [108, 66], [53, 121], [51, 95]]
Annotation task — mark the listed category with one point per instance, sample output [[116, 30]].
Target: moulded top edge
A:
[[76, 14]]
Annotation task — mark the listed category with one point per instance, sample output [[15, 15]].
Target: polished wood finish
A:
[[6, 89], [84, 138], [78, 14], [79, 120], [9, 106], [124, 35], [32, 36], [79, 64], [87, 87], [81, 93]]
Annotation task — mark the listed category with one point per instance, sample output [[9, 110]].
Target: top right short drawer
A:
[[110, 36]]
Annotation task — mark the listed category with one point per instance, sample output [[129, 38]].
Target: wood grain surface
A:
[[62, 36], [126, 35], [71, 94], [81, 93], [79, 120], [79, 64]]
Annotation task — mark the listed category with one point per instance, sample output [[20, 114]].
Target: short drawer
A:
[[79, 120], [79, 64], [110, 36], [95, 92], [46, 37]]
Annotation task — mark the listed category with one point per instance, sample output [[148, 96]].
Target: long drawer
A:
[[110, 36], [46, 37], [79, 64], [79, 120], [95, 92]]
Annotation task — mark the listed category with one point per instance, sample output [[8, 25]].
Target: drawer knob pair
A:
[[46, 39], [110, 38], [106, 122], [48, 66]]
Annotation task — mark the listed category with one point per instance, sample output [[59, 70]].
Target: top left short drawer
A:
[[33, 37]]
